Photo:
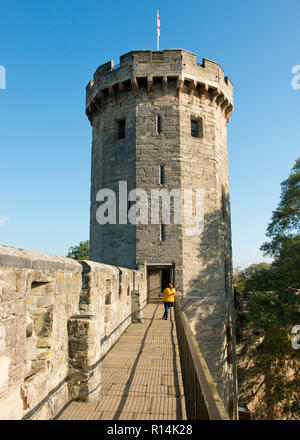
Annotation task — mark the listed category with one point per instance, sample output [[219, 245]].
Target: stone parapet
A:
[[38, 293], [58, 318]]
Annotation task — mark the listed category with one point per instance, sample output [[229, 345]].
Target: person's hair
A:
[[170, 285]]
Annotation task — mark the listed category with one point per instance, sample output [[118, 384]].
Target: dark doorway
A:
[[165, 278], [158, 278]]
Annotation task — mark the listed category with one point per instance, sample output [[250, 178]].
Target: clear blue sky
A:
[[51, 49]]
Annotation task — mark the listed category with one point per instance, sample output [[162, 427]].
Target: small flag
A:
[[158, 25]]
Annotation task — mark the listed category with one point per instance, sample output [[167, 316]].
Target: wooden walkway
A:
[[141, 375]]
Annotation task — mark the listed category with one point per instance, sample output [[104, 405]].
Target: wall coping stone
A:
[[92, 266], [24, 259]]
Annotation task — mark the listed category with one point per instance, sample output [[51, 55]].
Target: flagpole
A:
[[157, 28]]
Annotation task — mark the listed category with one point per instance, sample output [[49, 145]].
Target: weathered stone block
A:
[[2, 338], [5, 362], [11, 406]]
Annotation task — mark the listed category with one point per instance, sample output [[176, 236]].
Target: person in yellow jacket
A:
[[168, 298]]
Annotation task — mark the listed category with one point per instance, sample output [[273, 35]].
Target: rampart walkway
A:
[[141, 375]]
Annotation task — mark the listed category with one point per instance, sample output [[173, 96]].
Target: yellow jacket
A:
[[169, 295]]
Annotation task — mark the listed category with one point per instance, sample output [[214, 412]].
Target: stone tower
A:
[[160, 122]]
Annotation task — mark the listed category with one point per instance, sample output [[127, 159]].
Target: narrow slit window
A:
[[158, 124], [162, 232], [194, 128], [223, 203], [131, 214], [162, 174], [121, 124], [226, 276], [197, 127], [130, 204]]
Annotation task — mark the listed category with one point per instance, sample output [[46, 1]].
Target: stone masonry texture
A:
[[58, 318], [170, 85]]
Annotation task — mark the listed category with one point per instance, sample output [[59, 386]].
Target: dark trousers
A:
[[167, 306]]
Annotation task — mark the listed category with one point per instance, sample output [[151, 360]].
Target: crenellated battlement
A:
[[144, 66]]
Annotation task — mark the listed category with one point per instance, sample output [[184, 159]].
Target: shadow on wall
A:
[[210, 311]]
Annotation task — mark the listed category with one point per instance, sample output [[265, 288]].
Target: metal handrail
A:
[[201, 397]]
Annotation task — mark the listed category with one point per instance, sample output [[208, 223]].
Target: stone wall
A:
[[111, 299], [146, 85], [113, 244], [58, 318], [170, 84], [155, 150], [207, 256], [38, 294]]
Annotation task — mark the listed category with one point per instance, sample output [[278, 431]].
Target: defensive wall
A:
[[58, 318]]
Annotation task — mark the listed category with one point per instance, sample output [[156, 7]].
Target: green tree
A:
[[80, 252], [239, 279], [275, 300], [263, 277], [287, 263], [284, 232], [285, 221], [274, 314], [256, 277]]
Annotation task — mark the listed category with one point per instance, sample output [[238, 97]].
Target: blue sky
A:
[[50, 50]]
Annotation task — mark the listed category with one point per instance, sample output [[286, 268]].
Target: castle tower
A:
[[160, 122]]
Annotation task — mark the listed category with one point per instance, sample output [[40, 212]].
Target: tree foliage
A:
[[80, 251], [261, 276], [239, 279], [285, 221], [274, 314], [273, 292], [287, 263]]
